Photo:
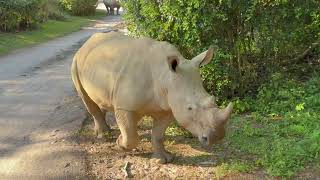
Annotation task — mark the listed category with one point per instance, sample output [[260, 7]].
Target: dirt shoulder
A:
[[105, 160]]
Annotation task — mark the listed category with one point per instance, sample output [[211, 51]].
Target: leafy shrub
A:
[[79, 7], [19, 14], [16, 15], [283, 132], [66, 4], [51, 9], [83, 7], [253, 37]]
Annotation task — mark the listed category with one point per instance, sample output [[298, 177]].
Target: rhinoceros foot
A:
[[128, 144], [163, 157], [100, 130]]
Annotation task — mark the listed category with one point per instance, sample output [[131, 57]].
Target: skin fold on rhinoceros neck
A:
[[161, 77]]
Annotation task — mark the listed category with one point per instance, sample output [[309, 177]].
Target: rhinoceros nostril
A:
[[204, 138]]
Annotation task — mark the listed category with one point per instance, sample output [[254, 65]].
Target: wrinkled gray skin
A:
[[137, 77], [110, 5]]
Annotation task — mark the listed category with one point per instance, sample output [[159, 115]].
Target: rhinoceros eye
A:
[[189, 108]]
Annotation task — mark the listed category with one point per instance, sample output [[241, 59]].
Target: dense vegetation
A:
[[44, 32], [28, 22], [267, 61], [251, 37], [79, 7], [282, 133], [17, 15]]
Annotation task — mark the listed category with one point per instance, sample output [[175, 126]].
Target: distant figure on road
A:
[[110, 5]]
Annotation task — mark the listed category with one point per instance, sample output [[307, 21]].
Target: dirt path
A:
[[39, 110], [105, 161]]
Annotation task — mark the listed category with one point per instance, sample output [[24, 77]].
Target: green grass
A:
[[279, 133], [45, 32], [233, 167], [283, 130]]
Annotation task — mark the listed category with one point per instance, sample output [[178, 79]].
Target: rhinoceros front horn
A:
[[224, 114]]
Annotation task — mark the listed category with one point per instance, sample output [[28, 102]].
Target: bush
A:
[[51, 9], [19, 14], [253, 38], [16, 15], [83, 7], [79, 7], [66, 4], [283, 132]]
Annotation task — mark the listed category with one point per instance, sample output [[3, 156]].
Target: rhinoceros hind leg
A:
[[100, 125], [127, 122], [160, 125], [118, 10], [111, 10]]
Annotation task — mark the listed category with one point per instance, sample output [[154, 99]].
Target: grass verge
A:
[[278, 135], [46, 31]]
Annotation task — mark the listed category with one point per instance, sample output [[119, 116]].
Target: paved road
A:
[[39, 109]]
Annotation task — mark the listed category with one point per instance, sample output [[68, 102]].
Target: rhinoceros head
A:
[[191, 105]]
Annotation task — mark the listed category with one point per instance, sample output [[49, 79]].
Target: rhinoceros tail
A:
[[75, 76], [76, 81], [91, 106]]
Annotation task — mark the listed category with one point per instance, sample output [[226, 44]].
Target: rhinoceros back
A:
[[115, 71]]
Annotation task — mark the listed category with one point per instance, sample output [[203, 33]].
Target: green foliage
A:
[[16, 15], [283, 131], [79, 7], [231, 168], [51, 9], [83, 7], [19, 14], [253, 38], [46, 31], [66, 5], [175, 130]]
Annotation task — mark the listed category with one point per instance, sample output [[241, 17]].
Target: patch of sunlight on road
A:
[[8, 165]]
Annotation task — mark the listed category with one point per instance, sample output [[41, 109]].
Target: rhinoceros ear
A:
[[204, 58], [173, 62]]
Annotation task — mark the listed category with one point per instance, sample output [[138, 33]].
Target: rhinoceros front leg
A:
[[127, 122], [160, 125]]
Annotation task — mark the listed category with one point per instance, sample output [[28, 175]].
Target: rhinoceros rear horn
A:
[[204, 58], [224, 114]]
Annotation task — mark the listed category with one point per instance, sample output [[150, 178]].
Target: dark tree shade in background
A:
[[253, 38]]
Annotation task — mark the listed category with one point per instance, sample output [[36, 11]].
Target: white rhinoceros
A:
[[136, 77], [110, 5]]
